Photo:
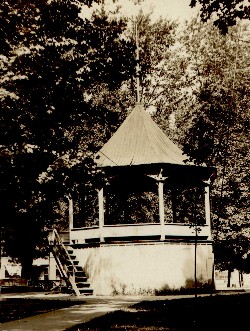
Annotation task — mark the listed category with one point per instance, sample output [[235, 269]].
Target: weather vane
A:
[[137, 65]]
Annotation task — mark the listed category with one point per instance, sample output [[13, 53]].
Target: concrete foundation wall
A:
[[145, 268]]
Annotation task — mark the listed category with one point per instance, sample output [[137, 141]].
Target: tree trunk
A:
[[228, 278], [241, 283], [26, 263]]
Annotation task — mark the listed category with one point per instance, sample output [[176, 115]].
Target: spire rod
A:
[[137, 65]]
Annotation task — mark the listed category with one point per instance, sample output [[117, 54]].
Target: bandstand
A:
[[154, 230]]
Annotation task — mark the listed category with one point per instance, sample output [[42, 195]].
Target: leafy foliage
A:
[[218, 129], [226, 12], [161, 67], [50, 122]]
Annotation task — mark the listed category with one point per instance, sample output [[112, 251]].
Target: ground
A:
[[216, 312], [17, 308]]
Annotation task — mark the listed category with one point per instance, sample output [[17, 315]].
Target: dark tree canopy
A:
[[51, 63], [225, 12]]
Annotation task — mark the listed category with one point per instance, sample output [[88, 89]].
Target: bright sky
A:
[[172, 9]]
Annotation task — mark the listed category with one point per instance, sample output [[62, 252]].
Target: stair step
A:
[[86, 291], [75, 262], [82, 285], [76, 267], [80, 275], [73, 258], [70, 267], [80, 279]]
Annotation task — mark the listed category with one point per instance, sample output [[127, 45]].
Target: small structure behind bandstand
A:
[[154, 233]]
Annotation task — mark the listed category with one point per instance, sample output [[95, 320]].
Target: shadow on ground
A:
[[211, 313], [17, 308]]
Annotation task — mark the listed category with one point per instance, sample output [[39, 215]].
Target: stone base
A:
[[146, 268]]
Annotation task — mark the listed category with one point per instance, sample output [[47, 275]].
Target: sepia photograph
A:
[[124, 165]]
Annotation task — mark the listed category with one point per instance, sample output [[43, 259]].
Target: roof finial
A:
[[137, 65]]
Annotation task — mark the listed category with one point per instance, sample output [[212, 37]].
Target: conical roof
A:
[[139, 141]]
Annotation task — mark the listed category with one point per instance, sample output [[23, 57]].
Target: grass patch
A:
[[14, 309], [212, 313]]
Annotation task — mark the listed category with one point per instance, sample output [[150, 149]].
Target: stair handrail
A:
[[60, 242], [56, 241]]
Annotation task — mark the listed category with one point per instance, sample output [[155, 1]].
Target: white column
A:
[[207, 205], [161, 208], [2, 267], [52, 267], [101, 213]]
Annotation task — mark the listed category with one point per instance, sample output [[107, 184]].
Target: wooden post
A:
[[161, 207], [71, 216], [101, 213], [173, 194]]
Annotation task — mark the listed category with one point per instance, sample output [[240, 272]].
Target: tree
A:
[[161, 67], [217, 130], [225, 13], [51, 59]]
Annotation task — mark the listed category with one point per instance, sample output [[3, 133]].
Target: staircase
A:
[[67, 263]]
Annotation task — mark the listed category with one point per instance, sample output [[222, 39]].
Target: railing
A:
[[63, 260], [137, 231], [46, 285], [10, 282]]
